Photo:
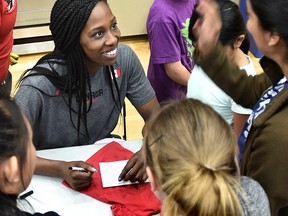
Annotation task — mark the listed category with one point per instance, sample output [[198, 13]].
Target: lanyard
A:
[[259, 108]]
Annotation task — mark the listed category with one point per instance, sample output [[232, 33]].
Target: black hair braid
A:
[[68, 17], [67, 20], [78, 79]]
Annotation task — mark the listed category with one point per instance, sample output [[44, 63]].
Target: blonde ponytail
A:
[[202, 192], [191, 151]]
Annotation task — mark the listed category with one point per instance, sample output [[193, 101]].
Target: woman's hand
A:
[[77, 179], [134, 169]]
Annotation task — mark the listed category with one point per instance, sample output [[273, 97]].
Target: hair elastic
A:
[[210, 168]]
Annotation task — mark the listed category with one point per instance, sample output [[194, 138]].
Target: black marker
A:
[[25, 195]]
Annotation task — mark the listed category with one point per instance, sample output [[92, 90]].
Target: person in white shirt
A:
[[236, 44]]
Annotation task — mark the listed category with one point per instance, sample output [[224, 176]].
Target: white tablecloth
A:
[[49, 193]]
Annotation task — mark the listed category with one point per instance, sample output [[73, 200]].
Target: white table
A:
[[51, 195]]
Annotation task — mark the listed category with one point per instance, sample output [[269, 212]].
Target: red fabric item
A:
[[129, 200], [7, 22]]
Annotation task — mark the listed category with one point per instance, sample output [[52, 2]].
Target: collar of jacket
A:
[[275, 74], [272, 69]]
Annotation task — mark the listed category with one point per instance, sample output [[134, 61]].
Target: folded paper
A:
[[110, 172]]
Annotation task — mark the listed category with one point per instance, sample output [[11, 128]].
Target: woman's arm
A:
[[134, 170], [147, 109], [56, 168], [239, 122]]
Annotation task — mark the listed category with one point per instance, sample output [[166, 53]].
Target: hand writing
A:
[[78, 179]]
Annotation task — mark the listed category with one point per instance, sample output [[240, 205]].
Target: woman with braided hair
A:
[[74, 95], [193, 167]]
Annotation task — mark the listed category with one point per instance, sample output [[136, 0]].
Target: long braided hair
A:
[[67, 20]]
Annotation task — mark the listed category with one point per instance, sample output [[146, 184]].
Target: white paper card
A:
[[110, 172]]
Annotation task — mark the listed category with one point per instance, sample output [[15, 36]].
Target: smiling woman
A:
[[62, 87], [134, 122], [99, 38]]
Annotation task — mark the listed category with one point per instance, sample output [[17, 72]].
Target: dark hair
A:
[[194, 17], [273, 16], [13, 142], [68, 18], [233, 24]]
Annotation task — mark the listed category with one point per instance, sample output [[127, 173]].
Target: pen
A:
[[78, 169], [26, 195]]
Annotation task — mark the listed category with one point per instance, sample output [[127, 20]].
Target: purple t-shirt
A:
[[167, 27]]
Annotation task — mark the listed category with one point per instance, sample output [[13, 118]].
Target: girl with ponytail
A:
[[191, 160]]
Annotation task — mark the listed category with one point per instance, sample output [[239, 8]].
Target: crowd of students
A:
[[195, 162]]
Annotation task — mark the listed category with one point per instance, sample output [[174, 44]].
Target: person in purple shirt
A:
[[171, 49]]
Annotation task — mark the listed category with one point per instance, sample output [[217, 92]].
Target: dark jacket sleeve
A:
[[268, 162], [245, 90]]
